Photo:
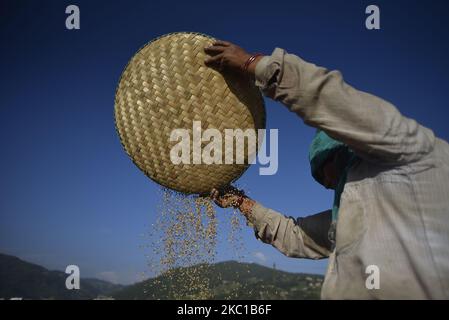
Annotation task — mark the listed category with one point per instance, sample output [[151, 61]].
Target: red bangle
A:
[[251, 60]]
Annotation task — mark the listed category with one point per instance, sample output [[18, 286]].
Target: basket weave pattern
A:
[[166, 86]]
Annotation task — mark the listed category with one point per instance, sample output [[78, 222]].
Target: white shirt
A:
[[394, 210]]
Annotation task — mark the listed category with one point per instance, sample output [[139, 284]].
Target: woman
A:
[[390, 175]]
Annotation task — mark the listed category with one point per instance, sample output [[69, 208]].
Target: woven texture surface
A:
[[166, 86]]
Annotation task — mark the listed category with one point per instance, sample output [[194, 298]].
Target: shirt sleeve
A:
[[372, 127], [299, 238]]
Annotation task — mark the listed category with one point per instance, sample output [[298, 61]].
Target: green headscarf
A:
[[323, 148]]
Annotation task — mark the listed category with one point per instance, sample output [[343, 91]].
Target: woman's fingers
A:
[[222, 43], [214, 60], [213, 50], [215, 195], [225, 197], [225, 56]]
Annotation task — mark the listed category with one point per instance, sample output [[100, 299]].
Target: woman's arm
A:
[[299, 238], [372, 127]]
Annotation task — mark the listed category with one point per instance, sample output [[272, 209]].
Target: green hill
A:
[[228, 280], [224, 280], [30, 281]]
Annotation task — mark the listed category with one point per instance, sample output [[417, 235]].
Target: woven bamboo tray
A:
[[166, 86]]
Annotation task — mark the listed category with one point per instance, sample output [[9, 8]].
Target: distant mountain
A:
[[228, 280], [30, 281], [225, 280]]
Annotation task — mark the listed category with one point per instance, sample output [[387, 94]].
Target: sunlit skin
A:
[[225, 56]]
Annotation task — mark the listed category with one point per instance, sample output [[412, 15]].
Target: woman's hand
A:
[[232, 197], [225, 56], [227, 197]]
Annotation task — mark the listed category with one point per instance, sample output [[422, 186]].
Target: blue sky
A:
[[68, 192]]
